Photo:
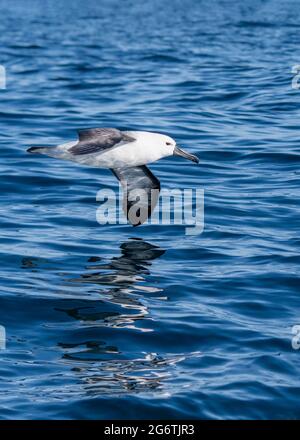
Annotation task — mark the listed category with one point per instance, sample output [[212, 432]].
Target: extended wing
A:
[[141, 192]]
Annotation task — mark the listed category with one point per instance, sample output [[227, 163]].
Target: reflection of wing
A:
[[94, 140], [141, 192], [138, 250]]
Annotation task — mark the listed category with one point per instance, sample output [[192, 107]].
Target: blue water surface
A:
[[119, 322]]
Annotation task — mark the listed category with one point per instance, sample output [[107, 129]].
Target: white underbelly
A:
[[128, 155]]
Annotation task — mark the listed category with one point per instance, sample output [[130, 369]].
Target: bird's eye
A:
[[168, 143]]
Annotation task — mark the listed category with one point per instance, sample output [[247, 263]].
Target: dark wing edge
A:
[[141, 192], [95, 140]]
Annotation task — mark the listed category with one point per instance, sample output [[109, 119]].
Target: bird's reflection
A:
[[120, 313], [119, 282]]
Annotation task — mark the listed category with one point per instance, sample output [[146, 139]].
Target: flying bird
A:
[[126, 154]]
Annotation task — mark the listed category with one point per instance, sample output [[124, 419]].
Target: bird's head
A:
[[172, 149]]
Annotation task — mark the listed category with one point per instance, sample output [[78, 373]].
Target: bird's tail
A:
[[39, 150], [48, 151], [34, 149]]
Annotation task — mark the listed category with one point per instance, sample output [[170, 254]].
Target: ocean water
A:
[[118, 322]]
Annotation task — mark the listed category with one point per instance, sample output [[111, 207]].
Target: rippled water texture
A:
[[121, 322]]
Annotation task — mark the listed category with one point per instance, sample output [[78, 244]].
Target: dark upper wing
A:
[[94, 140], [141, 192]]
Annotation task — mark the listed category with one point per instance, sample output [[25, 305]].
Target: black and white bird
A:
[[126, 153]]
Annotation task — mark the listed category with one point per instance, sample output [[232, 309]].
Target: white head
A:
[[154, 146], [167, 144], [170, 148]]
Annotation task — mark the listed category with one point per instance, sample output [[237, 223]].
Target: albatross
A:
[[126, 154]]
